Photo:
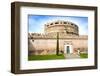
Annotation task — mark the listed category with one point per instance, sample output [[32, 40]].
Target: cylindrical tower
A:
[[62, 27]]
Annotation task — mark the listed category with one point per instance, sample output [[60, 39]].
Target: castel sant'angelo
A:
[[68, 35]]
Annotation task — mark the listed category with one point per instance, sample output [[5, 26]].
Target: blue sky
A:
[[36, 22]]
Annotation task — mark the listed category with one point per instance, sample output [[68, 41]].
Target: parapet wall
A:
[[54, 36]]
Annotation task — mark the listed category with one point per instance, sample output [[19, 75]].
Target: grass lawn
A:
[[45, 57], [83, 55]]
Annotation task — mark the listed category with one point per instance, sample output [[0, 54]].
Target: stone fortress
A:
[[69, 39]]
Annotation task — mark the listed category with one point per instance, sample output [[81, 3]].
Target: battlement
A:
[[54, 36], [60, 22]]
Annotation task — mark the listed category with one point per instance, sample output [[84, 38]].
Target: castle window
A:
[[72, 24], [51, 24], [56, 22], [65, 22]]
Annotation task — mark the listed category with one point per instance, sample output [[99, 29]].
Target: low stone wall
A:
[[48, 46]]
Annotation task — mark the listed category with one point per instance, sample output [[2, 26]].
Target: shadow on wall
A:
[[31, 47]]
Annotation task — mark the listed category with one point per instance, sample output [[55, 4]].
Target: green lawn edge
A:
[[45, 57], [83, 55]]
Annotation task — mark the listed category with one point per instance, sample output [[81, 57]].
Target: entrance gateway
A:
[[68, 48]]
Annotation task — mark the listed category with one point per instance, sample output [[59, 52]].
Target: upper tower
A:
[[62, 27]]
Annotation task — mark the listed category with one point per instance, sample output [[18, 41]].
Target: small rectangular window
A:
[[56, 23], [51, 24]]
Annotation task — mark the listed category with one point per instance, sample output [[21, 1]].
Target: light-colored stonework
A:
[[61, 26], [45, 43]]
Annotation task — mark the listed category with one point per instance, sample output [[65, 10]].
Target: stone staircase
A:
[[72, 56]]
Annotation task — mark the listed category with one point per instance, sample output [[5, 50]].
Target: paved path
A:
[[72, 56]]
